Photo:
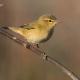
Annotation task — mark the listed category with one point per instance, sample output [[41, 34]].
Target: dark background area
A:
[[17, 63]]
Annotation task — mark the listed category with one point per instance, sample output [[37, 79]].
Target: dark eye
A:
[[50, 20]]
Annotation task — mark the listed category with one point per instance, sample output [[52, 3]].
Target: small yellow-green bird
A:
[[38, 31]]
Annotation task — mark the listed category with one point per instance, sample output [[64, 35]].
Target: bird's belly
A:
[[36, 36]]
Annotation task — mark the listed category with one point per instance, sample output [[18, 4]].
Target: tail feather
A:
[[3, 26], [14, 29]]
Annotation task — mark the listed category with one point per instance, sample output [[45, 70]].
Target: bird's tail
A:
[[9, 28], [3, 27], [14, 29]]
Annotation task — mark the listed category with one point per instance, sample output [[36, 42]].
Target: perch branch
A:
[[40, 53]]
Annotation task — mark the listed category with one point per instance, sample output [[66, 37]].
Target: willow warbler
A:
[[38, 31]]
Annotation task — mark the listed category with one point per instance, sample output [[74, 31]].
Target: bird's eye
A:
[[50, 20]]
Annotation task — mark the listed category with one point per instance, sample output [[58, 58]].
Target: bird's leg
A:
[[26, 45], [30, 45], [35, 45]]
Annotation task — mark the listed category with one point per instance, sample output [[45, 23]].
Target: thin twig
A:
[[39, 52]]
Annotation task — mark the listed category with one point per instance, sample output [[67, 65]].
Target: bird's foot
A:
[[30, 45], [34, 45]]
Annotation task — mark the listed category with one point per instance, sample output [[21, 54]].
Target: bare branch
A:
[[39, 52]]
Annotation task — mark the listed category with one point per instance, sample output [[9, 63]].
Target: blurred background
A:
[[17, 63]]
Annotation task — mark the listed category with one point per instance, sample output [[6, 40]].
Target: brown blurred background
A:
[[17, 63]]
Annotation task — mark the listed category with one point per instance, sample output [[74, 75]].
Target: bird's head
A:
[[48, 21]]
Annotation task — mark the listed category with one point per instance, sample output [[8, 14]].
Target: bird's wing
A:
[[27, 26]]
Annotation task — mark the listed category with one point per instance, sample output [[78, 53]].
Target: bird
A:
[[37, 31]]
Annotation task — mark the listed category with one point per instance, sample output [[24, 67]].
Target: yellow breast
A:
[[35, 36]]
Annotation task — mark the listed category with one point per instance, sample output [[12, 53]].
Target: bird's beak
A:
[[60, 20]]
